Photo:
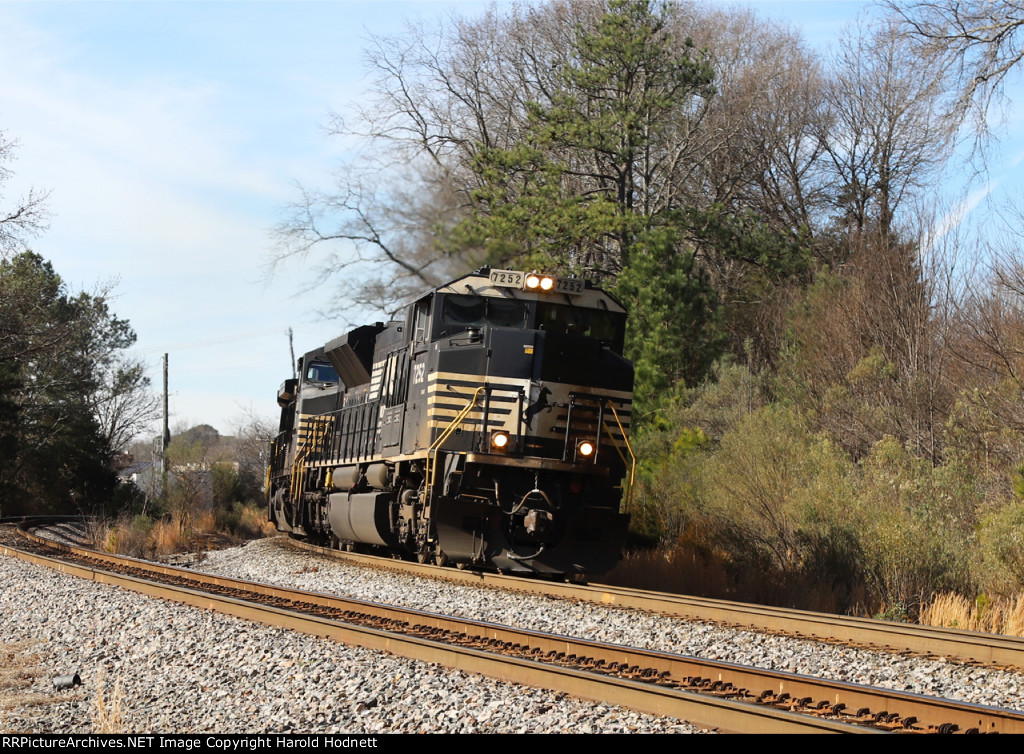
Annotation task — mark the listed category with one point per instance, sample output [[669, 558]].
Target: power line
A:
[[216, 341]]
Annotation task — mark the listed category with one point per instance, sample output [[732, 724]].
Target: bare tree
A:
[[123, 403], [28, 217], [978, 42], [375, 243], [762, 147], [888, 134]]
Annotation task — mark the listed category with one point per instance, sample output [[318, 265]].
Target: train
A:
[[486, 427]]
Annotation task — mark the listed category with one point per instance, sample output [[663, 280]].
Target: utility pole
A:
[[291, 350], [166, 439]]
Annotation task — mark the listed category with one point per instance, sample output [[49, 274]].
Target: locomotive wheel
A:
[[422, 557], [441, 558]]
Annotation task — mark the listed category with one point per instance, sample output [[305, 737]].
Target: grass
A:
[[682, 570], [1000, 616], [107, 714], [688, 569], [143, 537], [20, 666]]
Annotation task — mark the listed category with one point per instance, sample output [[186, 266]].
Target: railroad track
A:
[[712, 694], [967, 647]]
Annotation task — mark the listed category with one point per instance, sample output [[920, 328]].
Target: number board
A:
[[508, 278], [516, 279], [568, 285]]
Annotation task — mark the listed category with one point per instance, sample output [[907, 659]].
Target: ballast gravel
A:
[[160, 667]]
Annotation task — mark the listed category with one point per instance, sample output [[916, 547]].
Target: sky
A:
[[172, 137]]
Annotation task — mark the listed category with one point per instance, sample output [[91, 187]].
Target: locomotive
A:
[[487, 427]]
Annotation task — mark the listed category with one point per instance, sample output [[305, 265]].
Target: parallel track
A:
[[904, 638], [711, 694]]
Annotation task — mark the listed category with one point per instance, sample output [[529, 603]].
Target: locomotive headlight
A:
[[536, 282], [499, 440], [584, 449]]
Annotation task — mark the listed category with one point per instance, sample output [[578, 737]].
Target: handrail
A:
[[632, 468], [431, 470], [316, 429]]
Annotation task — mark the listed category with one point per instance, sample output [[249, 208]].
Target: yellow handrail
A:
[[432, 465], [316, 430], [632, 468]]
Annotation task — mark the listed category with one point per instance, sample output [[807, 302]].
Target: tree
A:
[[977, 42], [28, 217], [122, 402], [58, 353], [450, 104], [675, 327], [593, 169], [888, 133], [375, 238]]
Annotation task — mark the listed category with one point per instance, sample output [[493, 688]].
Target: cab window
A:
[[321, 372], [461, 311], [608, 327]]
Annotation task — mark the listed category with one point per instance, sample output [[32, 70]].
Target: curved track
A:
[[712, 694]]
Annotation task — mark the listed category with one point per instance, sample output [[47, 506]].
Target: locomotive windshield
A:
[[476, 311], [459, 312], [321, 372], [604, 325]]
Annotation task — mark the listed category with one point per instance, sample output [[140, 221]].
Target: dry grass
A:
[[108, 713], [20, 666], [686, 568], [205, 522], [142, 537], [1001, 616], [167, 538], [677, 570], [254, 523]]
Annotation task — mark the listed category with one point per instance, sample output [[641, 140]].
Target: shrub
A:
[[917, 527], [1001, 548]]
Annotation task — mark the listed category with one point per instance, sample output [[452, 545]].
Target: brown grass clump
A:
[[205, 522], [254, 524], [19, 668], [1000, 616], [676, 569], [167, 538], [144, 537], [107, 716]]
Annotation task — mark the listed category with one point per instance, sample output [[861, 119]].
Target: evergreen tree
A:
[[578, 191], [56, 351], [674, 326]]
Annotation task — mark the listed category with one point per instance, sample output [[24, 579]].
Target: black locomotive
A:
[[487, 428]]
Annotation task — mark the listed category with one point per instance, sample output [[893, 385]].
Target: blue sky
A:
[[172, 135]]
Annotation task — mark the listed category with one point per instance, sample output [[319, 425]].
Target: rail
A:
[[706, 692]]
